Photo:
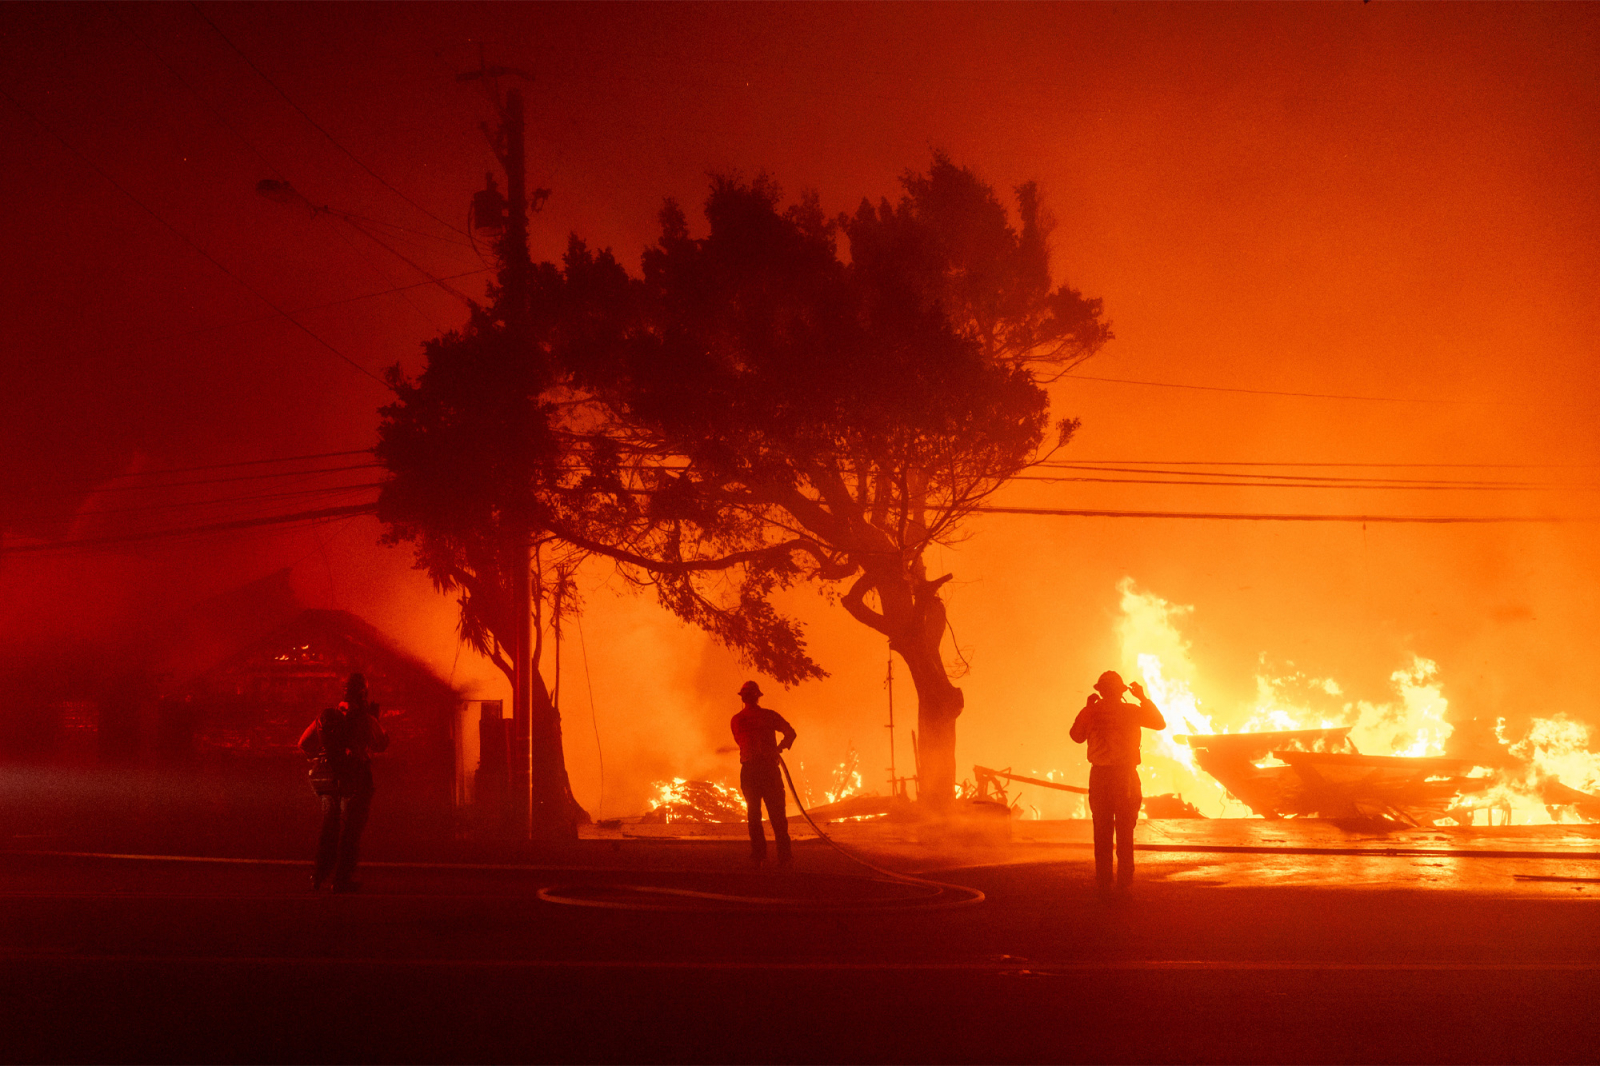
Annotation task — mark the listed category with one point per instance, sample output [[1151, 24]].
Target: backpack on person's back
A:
[[329, 766]]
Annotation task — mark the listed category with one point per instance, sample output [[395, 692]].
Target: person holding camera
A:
[[341, 743], [1110, 726]]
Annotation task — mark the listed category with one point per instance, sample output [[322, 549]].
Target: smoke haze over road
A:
[[1385, 211]]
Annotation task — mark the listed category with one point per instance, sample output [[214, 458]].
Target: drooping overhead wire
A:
[[1233, 479], [379, 178], [186, 239], [1100, 463], [209, 481], [594, 720], [1449, 401], [367, 257], [319, 515], [176, 505], [236, 323], [1342, 487], [238, 463], [413, 264], [386, 224], [194, 92], [1230, 516], [269, 482], [355, 221]]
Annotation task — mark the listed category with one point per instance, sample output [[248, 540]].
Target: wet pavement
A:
[[1387, 955], [1521, 860]]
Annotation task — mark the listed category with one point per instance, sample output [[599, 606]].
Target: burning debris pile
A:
[[680, 800], [1282, 759], [1319, 772], [1303, 749]]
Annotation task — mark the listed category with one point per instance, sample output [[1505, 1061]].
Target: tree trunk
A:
[[542, 802], [939, 702], [556, 814], [913, 617]]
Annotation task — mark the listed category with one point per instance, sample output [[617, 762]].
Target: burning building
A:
[[242, 718]]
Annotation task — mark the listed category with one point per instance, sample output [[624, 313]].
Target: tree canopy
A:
[[816, 399], [787, 398]]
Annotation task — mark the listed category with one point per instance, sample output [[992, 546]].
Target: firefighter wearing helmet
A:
[[757, 729], [1110, 726]]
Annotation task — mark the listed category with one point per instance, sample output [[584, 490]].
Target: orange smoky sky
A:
[[1386, 210]]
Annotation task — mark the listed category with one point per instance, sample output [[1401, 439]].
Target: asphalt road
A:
[[118, 960]]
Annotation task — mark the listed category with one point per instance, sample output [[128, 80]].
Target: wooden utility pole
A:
[[517, 267], [518, 261], [525, 676], [509, 143], [540, 794]]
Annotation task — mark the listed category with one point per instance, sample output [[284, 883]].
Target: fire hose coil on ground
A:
[[932, 895]]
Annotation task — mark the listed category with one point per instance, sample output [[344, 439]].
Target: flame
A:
[[846, 779], [682, 800], [1559, 747], [1554, 751], [1416, 727], [1413, 724]]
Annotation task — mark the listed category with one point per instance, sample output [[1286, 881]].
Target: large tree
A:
[[470, 444], [764, 410]]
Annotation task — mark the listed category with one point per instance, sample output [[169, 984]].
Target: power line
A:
[[408, 229], [274, 317], [348, 217], [353, 510], [316, 125], [424, 271], [209, 481], [1313, 395], [242, 462], [594, 719], [371, 261], [1306, 480], [1352, 486], [328, 490], [320, 515], [215, 113], [1245, 475], [1097, 463], [1251, 517], [187, 239]]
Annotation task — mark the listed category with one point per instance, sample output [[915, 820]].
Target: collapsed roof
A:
[[1319, 773]]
